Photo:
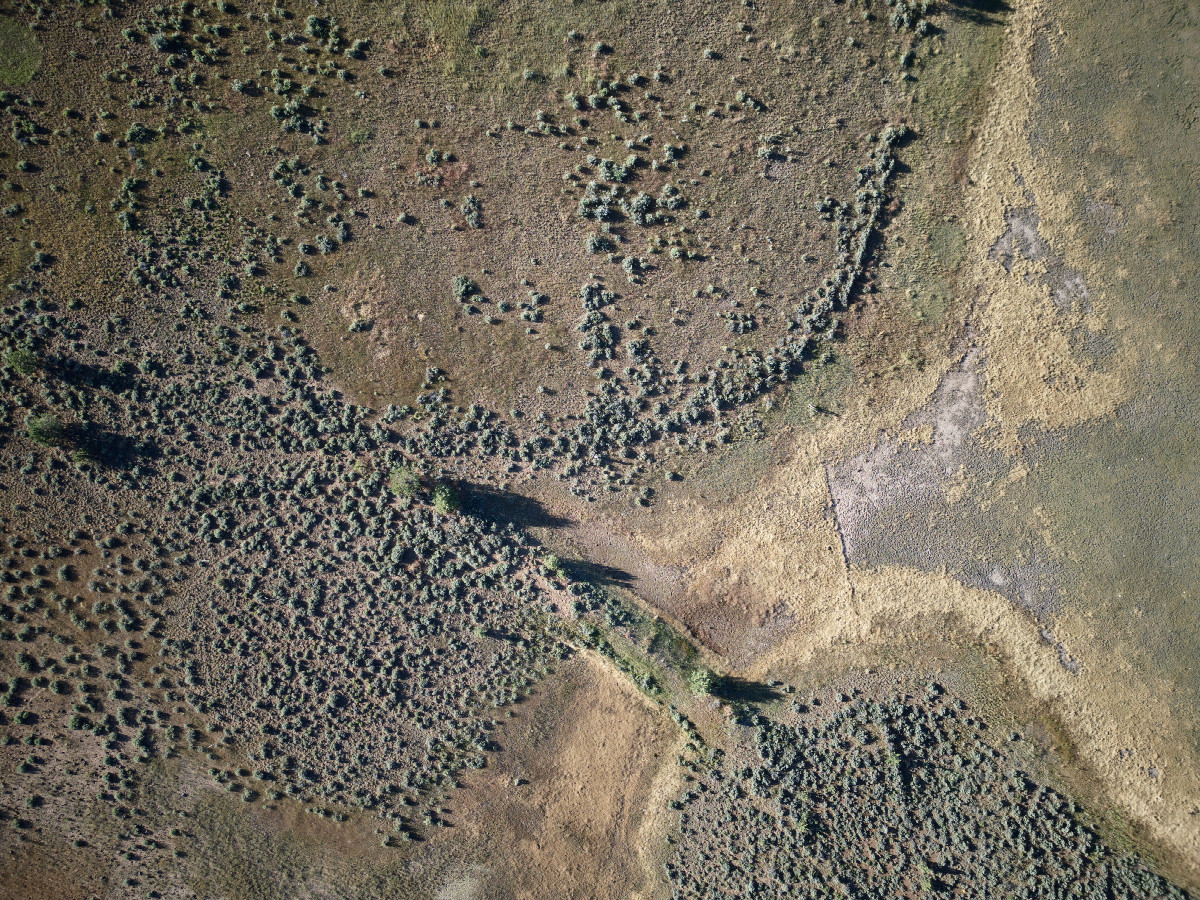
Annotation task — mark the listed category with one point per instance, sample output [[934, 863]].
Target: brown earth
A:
[[753, 557], [563, 813]]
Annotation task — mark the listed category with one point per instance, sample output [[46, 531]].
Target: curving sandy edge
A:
[[1120, 724], [1104, 710], [777, 554]]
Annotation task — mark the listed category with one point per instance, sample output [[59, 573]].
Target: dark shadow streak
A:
[[595, 573], [111, 450], [979, 12], [505, 507], [739, 690]]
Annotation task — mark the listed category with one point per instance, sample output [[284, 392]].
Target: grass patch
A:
[[20, 52], [453, 22]]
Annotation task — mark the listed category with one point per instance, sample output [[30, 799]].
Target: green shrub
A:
[[46, 429], [24, 361], [472, 211], [445, 498], [464, 288], [404, 481], [703, 681]]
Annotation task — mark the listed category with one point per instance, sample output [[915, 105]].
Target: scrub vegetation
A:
[[304, 304]]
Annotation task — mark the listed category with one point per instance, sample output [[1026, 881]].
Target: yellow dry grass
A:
[[763, 582]]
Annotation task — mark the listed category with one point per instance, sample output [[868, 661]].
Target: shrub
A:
[[46, 429], [597, 243], [23, 360], [703, 681], [404, 481], [445, 498], [138, 134], [464, 288], [472, 211]]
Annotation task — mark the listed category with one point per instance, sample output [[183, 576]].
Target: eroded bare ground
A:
[[578, 775]]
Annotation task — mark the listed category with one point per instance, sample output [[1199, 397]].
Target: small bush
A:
[[46, 429], [464, 288], [24, 361], [703, 681], [404, 481]]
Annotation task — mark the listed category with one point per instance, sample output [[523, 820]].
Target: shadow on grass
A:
[[979, 12], [595, 573], [85, 374], [111, 450]]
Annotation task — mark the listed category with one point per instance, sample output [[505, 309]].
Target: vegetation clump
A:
[[46, 429], [404, 482], [23, 360], [703, 681], [896, 797], [445, 499]]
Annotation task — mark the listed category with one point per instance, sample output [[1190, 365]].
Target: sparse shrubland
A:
[[254, 465]]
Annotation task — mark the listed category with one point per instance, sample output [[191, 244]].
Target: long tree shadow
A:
[[110, 449], [595, 573], [740, 690], [86, 374], [498, 506], [979, 12]]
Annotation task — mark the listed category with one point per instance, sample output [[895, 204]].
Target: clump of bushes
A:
[[472, 211], [404, 481], [46, 429], [464, 288], [445, 498]]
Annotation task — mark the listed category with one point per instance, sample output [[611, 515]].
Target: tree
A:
[[445, 498]]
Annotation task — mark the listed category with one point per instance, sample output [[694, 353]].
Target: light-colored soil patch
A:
[[934, 497], [562, 812], [764, 582]]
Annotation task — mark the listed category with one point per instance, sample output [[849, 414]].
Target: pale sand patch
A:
[[567, 810], [1034, 375], [761, 579], [782, 544]]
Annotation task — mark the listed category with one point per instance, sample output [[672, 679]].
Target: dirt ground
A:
[[899, 513], [565, 813]]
